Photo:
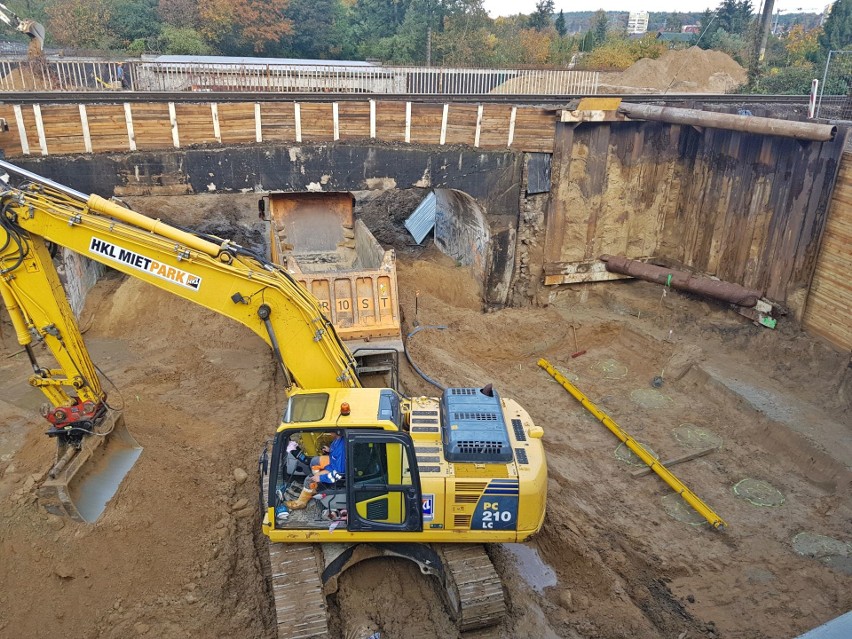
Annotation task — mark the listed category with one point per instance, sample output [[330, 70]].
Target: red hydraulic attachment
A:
[[79, 415]]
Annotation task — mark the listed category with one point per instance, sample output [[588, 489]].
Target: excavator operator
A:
[[329, 468]]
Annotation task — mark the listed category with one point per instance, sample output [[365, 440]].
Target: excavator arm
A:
[[208, 271], [33, 29], [39, 310]]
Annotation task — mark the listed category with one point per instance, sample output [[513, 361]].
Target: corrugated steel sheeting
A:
[[422, 220]]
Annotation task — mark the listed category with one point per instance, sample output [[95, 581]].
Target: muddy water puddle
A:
[[537, 574]]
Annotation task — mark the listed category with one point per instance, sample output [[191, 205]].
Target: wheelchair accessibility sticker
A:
[[428, 507]]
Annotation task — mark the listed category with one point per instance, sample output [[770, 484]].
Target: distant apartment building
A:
[[637, 22]]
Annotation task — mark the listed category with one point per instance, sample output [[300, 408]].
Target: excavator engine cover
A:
[[473, 427]]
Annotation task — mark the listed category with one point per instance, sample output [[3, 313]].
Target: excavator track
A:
[[473, 589], [295, 575], [297, 588]]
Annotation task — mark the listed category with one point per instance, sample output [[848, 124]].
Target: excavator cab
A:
[[380, 485]]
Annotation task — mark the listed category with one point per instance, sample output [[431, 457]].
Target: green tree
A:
[[541, 18], [734, 16], [179, 13], [243, 27], [561, 29], [562, 50], [183, 41], [734, 44], [80, 23], [600, 27], [795, 80], [314, 28], [466, 38], [837, 30], [801, 45], [133, 20], [674, 23], [709, 23], [424, 22]]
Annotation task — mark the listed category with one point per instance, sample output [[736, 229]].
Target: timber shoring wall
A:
[[829, 309], [746, 208], [50, 129]]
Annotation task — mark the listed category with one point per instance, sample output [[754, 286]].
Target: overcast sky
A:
[[512, 7]]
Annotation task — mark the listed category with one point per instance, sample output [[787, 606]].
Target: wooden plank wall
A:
[[829, 309], [746, 208], [52, 129]]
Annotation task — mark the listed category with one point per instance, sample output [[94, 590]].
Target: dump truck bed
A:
[[333, 255]]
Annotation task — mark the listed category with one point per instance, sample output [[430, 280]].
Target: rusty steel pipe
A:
[[744, 123], [683, 280]]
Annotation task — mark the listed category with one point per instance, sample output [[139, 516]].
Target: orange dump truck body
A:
[[333, 255]]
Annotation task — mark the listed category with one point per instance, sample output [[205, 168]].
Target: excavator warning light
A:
[[344, 408]]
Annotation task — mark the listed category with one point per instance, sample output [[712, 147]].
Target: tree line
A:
[[436, 32]]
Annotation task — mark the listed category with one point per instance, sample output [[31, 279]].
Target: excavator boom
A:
[[208, 271]]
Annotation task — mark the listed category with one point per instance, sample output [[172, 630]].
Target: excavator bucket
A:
[[35, 30], [83, 481]]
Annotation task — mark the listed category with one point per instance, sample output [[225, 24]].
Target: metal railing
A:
[[837, 81], [79, 74]]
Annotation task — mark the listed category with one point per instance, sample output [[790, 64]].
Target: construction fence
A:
[[87, 74]]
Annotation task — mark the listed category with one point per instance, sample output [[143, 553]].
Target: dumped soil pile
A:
[[385, 212], [692, 70], [178, 551]]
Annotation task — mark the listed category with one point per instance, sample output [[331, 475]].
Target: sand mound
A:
[[692, 70]]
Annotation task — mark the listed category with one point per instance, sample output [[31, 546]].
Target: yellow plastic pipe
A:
[[679, 487]]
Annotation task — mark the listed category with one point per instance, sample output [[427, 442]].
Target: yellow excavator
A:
[[352, 473]]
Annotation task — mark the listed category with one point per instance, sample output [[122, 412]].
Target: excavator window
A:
[[389, 407], [370, 462], [306, 408]]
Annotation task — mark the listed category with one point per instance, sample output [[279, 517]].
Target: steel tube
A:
[[744, 123], [683, 280]]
